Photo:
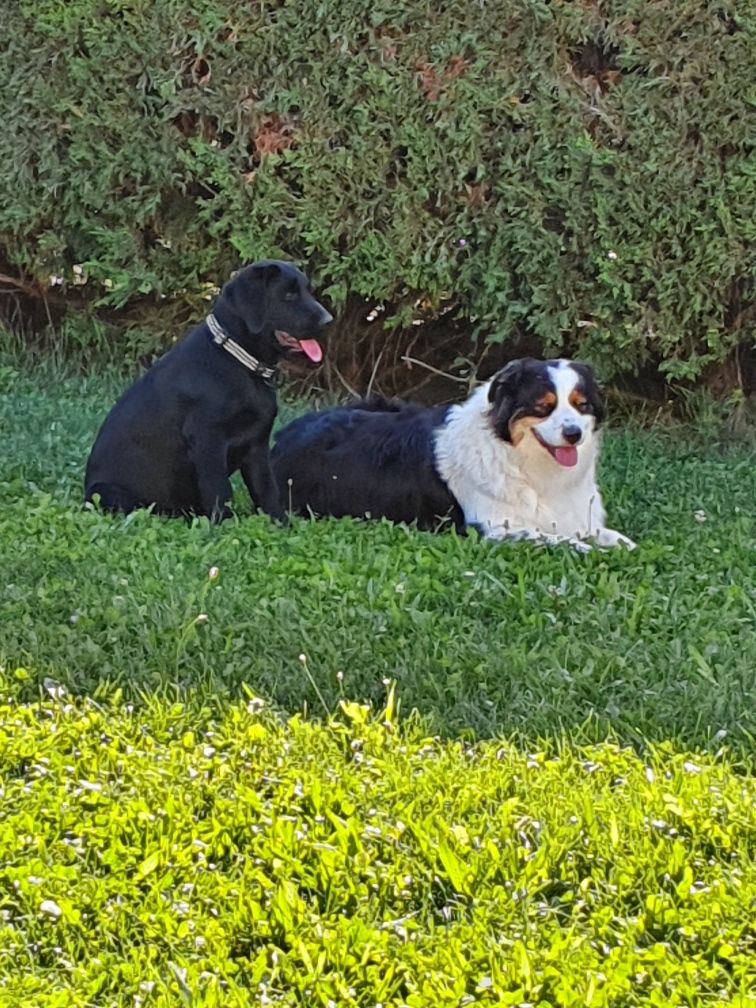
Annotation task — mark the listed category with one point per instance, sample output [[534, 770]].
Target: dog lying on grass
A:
[[206, 408], [517, 459]]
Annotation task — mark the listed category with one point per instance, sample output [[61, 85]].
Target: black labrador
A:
[[206, 408]]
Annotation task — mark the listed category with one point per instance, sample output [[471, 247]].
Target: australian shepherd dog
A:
[[517, 459]]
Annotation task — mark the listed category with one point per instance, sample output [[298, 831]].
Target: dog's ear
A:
[[502, 394], [506, 379], [244, 294]]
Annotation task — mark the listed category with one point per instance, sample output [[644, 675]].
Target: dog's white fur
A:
[[518, 490]]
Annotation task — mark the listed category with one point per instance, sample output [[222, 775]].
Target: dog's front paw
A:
[[502, 533], [580, 545], [609, 539]]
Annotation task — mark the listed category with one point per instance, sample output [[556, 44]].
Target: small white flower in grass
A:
[[386, 682], [700, 516], [303, 659], [213, 574], [51, 909], [691, 768], [56, 281], [202, 619], [340, 676], [612, 256], [649, 773]]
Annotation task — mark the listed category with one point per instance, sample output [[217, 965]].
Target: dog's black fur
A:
[[328, 463], [198, 414]]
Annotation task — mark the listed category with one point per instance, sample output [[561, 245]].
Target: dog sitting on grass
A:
[[205, 409], [517, 459]]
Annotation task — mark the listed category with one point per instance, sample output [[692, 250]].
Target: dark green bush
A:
[[578, 176]]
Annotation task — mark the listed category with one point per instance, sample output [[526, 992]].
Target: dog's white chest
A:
[[504, 491]]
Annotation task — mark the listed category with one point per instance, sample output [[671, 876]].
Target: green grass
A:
[[658, 644], [566, 819]]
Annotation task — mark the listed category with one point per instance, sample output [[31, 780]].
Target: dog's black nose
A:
[[571, 433], [325, 317]]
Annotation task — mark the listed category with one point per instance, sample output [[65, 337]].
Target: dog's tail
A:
[[377, 404]]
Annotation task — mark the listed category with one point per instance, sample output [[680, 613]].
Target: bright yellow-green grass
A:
[[166, 855]]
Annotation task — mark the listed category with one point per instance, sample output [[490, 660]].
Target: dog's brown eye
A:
[[545, 405], [580, 403]]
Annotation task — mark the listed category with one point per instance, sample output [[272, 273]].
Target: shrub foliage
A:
[[577, 176]]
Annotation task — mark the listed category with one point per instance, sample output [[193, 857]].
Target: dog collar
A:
[[222, 339]]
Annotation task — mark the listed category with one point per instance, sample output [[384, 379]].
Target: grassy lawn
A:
[[566, 820]]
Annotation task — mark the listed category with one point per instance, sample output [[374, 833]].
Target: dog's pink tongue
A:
[[566, 456], [313, 350]]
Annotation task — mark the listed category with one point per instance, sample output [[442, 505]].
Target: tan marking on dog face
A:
[[546, 403], [578, 400], [520, 427]]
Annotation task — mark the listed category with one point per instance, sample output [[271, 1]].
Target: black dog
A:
[[370, 459], [206, 408]]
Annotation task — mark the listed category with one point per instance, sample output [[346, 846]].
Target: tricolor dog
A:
[[517, 459]]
